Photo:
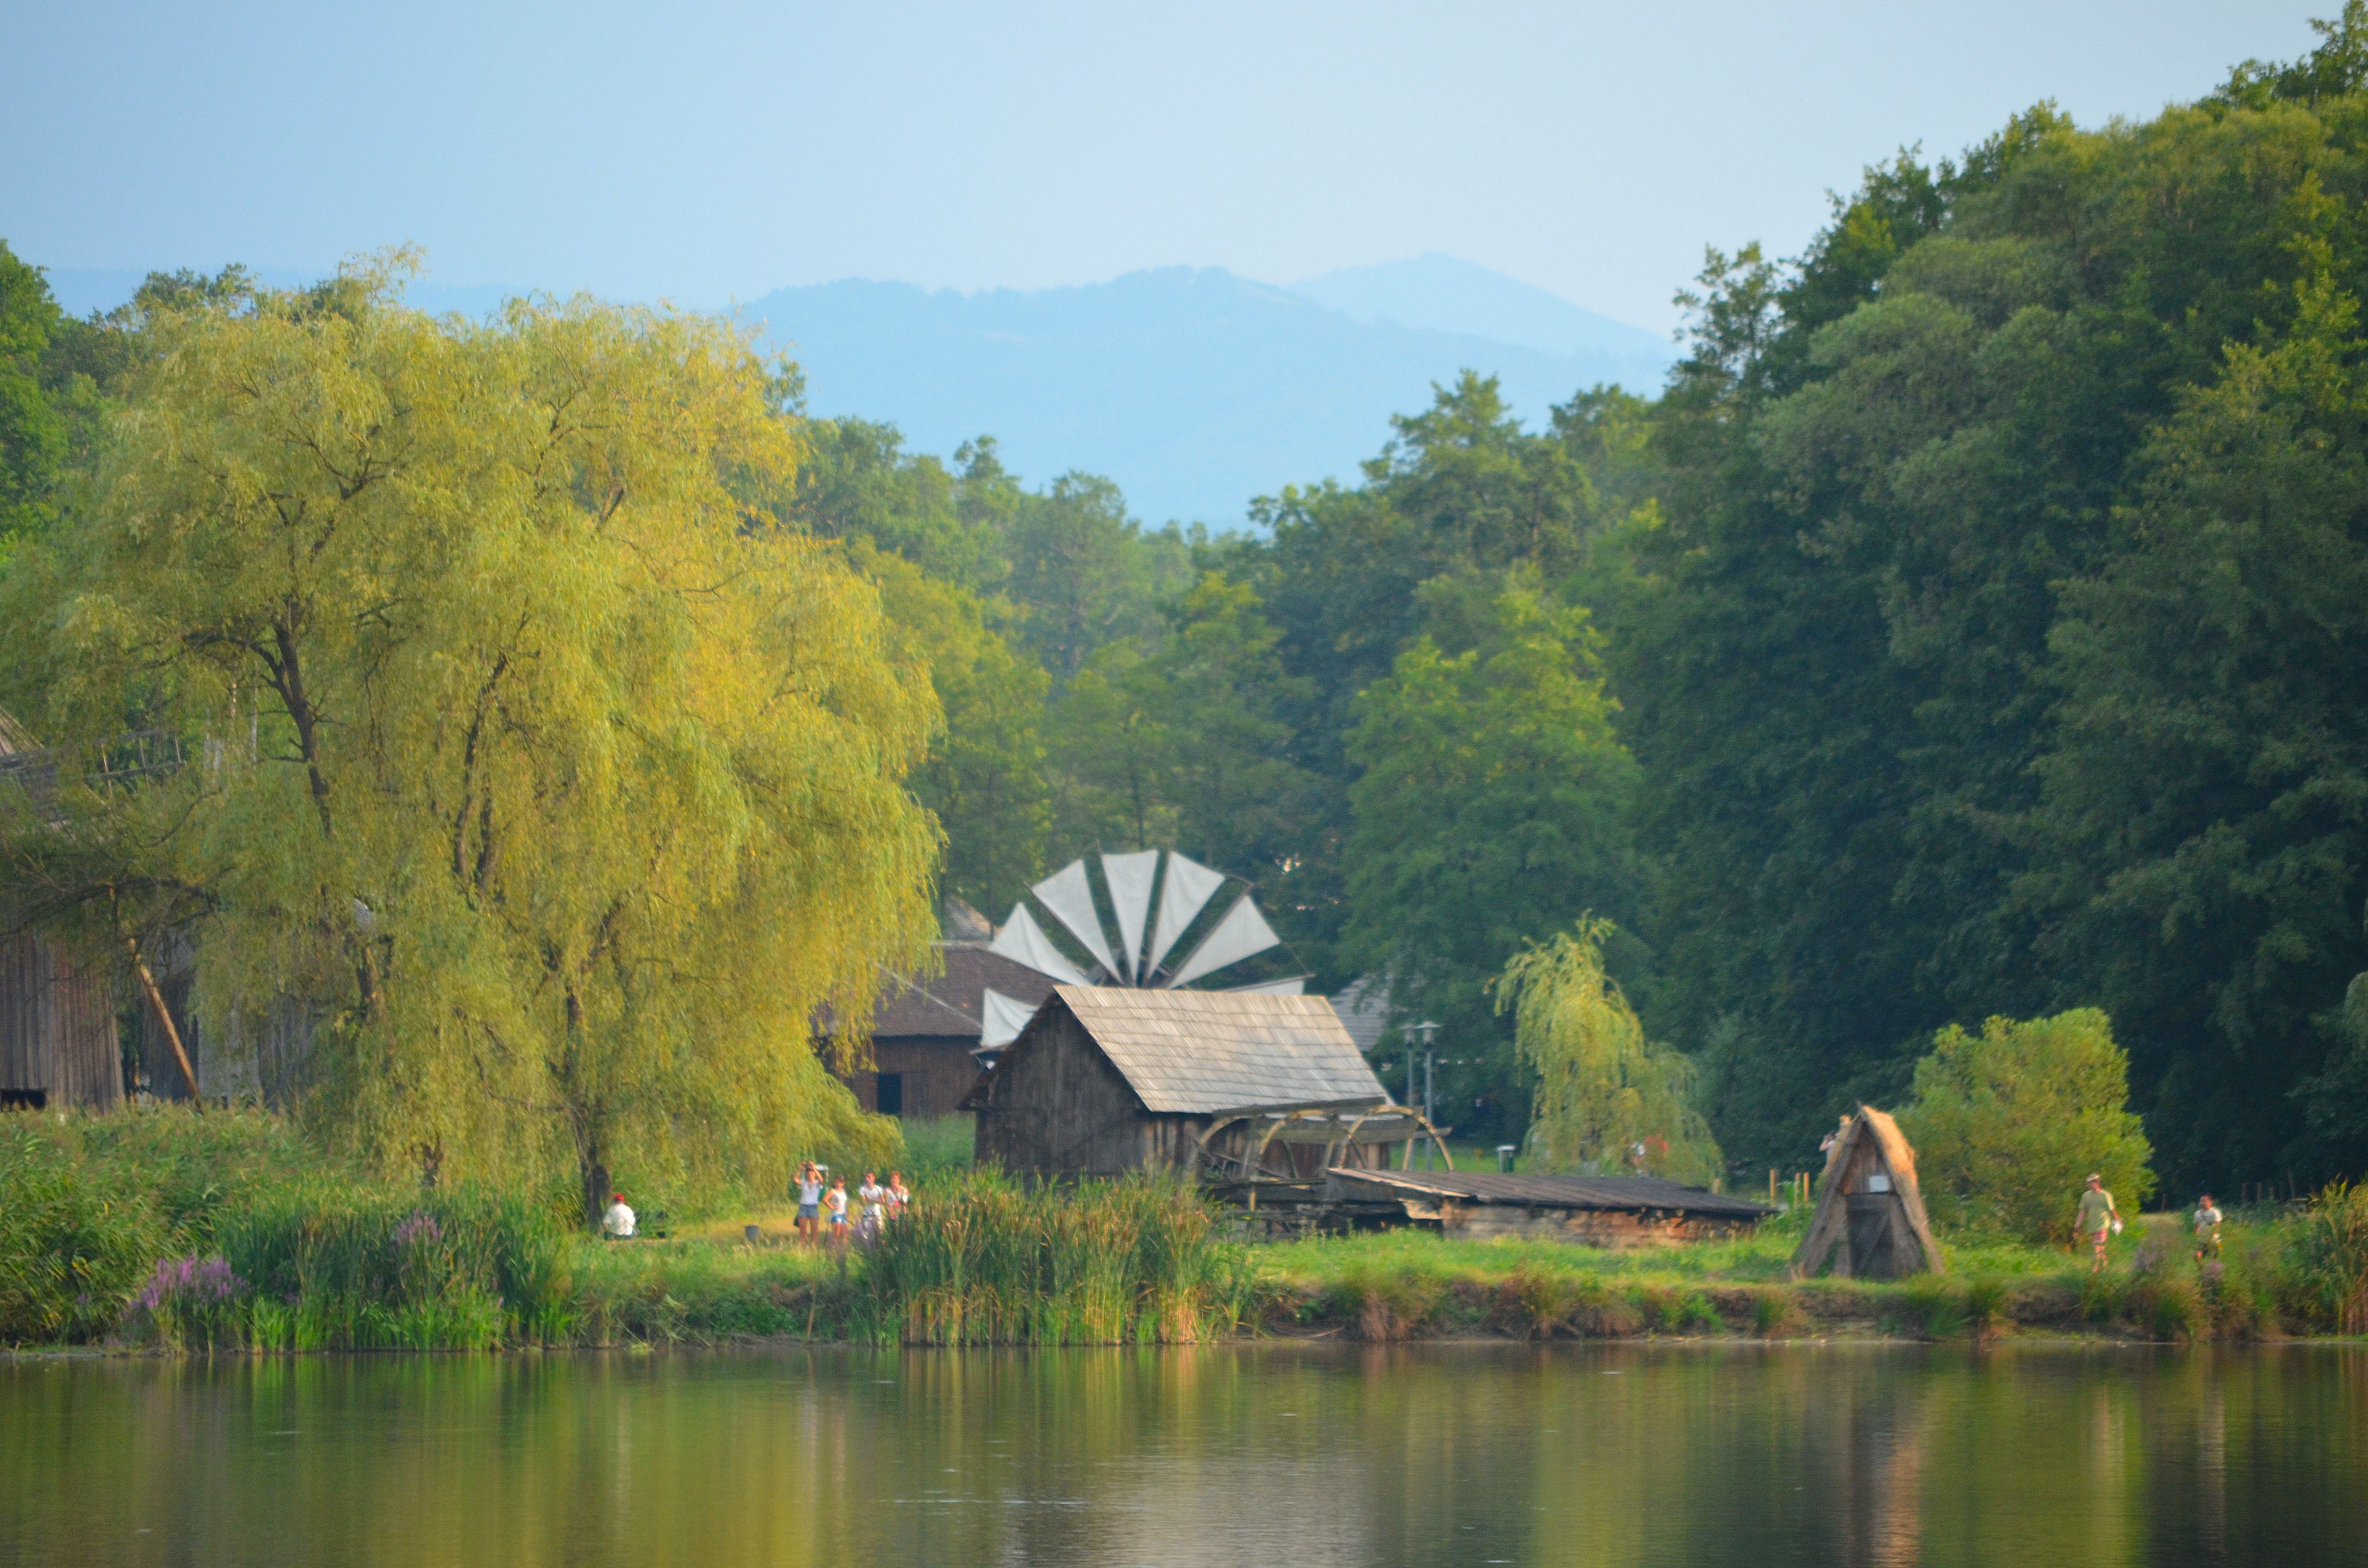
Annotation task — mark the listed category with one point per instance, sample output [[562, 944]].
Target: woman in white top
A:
[[875, 1200]]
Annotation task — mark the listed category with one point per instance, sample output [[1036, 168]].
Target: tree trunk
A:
[[595, 1189]]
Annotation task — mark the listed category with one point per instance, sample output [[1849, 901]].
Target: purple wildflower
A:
[[196, 1281], [421, 1229]]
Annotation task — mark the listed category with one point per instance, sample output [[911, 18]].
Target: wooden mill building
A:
[[1107, 1080], [927, 1034]]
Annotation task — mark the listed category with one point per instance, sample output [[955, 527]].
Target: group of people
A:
[[823, 1198], [2100, 1221]]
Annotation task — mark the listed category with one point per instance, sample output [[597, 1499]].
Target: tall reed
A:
[[984, 1262]]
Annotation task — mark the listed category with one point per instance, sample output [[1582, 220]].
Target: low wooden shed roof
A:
[[1524, 1190], [1211, 1052]]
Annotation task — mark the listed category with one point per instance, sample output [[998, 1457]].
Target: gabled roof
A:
[[1208, 1053], [950, 1005]]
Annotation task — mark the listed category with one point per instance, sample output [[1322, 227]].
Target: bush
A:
[[71, 1253], [2008, 1124], [2330, 1259]]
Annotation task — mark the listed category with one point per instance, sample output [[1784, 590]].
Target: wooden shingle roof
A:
[[1208, 1053]]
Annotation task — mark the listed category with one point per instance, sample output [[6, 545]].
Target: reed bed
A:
[[987, 1262]]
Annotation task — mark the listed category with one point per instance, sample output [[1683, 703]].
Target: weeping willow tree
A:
[[1607, 1098], [553, 789]]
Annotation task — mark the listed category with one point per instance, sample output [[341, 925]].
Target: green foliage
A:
[[2331, 1258], [1490, 808], [2008, 1124], [553, 795], [32, 433], [981, 1261], [71, 1250], [1603, 1090]]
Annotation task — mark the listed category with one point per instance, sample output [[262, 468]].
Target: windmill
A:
[[1149, 901]]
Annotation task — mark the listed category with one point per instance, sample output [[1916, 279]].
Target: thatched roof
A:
[[1213, 1053], [1871, 1138]]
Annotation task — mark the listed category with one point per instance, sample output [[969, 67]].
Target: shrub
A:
[[2008, 1123], [191, 1301], [2331, 1258], [71, 1253]]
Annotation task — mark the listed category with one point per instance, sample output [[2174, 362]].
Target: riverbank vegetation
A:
[[165, 1230]]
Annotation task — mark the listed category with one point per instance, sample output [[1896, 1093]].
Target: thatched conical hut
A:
[[1869, 1222]]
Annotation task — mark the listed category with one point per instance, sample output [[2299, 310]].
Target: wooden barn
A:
[[1869, 1222], [58, 1042], [1106, 1080], [1604, 1211], [926, 1036]]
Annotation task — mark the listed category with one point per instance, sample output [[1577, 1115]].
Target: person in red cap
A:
[[617, 1224]]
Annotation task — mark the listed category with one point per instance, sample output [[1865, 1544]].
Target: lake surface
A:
[[1233, 1455]]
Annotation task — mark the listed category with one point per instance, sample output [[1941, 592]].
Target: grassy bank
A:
[[161, 1230]]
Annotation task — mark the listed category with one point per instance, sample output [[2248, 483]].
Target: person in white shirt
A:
[[876, 1204], [898, 1195], [835, 1200], [617, 1224], [809, 1224]]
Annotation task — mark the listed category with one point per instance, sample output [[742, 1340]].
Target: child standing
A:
[[835, 1202], [875, 1199]]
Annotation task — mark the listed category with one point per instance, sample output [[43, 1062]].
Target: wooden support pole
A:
[[165, 1017]]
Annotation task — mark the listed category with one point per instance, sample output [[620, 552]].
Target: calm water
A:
[[1281, 1455]]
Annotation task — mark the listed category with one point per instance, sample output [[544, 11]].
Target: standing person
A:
[[876, 1205], [2099, 1219], [617, 1224], [898, 1195], [835, 1202], [2207, 1228], [809, 1223]]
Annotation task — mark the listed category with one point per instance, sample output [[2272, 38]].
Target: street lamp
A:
[[1429, 1033]]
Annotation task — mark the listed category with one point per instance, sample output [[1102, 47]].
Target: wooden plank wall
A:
[[1055, 1107], [57, 1027]]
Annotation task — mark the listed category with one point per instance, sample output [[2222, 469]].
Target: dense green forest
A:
[[1977, 625]]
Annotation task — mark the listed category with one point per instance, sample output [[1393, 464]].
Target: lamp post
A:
[[1429, 1033]]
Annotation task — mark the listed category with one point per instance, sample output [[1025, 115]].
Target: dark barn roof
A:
[[1561, 1191], [949, 1005]]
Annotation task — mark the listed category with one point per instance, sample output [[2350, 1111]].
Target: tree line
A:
[[1976, 625]]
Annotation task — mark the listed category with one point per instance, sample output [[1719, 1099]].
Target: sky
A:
[[701, 152]]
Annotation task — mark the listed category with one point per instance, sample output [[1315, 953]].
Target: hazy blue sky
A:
[[703, 151]]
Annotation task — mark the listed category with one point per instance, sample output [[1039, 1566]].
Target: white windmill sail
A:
[[1023, 941], [1188, 887], [1129, 878], [1242, 932], [1293, 986], [1002, 1019], [1071, 899]]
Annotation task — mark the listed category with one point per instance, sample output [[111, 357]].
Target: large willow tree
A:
[[556, 792], [1607, 1098]]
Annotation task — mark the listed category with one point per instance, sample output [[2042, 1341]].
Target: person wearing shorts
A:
[[2207, 1229], [809, 1223], [835, 1202], [2099, 1219]]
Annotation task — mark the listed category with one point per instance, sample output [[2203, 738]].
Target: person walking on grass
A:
[[2099, 1220], [835, 1202], [2207, 1230], [809, 1221]]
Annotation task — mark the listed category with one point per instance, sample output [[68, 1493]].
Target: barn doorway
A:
[[889, 1096]]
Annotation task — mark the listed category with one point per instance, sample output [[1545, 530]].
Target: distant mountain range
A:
[[1195, 389]]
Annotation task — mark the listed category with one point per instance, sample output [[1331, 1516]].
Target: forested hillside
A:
[[1975, 624]]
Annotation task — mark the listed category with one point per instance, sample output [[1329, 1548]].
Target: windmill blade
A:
[[1071, 899], [1186, 891], [1023, 941], [1001, 1018], [1129, 878], [1289, 985], [1242, 932]]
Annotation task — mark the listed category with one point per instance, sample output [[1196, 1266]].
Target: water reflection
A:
[[1291, 1454]]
